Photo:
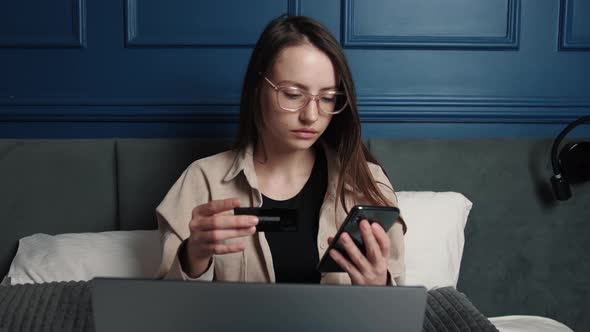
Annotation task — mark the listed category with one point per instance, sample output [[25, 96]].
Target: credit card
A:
[[272, 220]]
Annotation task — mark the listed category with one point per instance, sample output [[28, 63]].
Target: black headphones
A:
[[571, 164]]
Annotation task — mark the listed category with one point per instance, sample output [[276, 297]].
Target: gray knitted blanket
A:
[[55, 306], [66, 306], [449, 310]]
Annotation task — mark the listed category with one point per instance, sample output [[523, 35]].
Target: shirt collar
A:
[[244, 159], [244, 162]]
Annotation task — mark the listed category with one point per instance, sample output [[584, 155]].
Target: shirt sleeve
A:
[[396, 264], [174, 214], [206, 276]]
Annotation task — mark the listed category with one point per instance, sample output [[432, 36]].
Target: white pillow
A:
[[83, 256], [434, 240]]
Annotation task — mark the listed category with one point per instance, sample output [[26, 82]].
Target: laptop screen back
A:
[[170, 305]]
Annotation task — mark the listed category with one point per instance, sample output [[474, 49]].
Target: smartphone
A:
[[383, 215], [273, 219]]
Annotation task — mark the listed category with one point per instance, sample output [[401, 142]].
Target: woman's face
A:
[[311, 70]]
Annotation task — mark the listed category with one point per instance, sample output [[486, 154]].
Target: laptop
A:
[[175, 305]]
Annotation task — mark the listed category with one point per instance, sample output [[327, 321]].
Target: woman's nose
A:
[[310, 112]]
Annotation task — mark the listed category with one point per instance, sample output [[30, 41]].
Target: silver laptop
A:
[[171, 305]]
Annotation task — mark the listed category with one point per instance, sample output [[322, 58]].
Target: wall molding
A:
[[509, 41], [132, 39], [393, 100], [294, 7], [566, 41], [383, 109], [78, 39]]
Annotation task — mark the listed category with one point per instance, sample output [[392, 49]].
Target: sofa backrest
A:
[[54, 187], [524, 252]]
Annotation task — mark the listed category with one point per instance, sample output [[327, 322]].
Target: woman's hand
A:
[[211, 225], [372, 268]]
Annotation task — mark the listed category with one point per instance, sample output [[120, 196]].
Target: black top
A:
[[295, 254]]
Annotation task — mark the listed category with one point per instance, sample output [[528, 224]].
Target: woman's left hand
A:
[[372, 268]]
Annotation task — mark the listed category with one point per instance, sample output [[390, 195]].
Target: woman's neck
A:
[[270, 161]]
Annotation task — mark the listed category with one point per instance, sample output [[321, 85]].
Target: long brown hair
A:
[[344, 131]]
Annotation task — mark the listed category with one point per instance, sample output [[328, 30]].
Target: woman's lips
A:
[[304, 134]]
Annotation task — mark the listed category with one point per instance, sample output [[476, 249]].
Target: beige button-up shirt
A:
[[232, 174]]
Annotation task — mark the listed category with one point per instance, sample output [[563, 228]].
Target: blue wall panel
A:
[[435, 24], [423, 63], [575, 25], [190, 23], [38, 23], [528, 84]]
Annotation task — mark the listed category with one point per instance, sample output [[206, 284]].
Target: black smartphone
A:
[[273, 219], [383, 215]]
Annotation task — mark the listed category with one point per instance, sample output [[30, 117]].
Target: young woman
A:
[[299, 146]]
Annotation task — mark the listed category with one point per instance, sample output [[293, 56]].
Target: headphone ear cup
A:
[[579, 158], [561, 188], [574, 160]]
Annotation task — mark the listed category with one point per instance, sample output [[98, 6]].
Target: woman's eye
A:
[[291, 95], [328, 99]]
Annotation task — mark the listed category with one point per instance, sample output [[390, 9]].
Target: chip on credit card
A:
[[272, 219]]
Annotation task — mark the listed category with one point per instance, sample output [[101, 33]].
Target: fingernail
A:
[[254, 221]]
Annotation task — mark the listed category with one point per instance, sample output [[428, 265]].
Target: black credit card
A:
[[272, 220]]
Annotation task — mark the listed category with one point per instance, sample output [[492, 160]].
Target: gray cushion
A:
[[54, 186], [148, 168], [524, 252]]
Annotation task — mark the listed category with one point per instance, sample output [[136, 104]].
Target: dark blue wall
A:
[[423, 68]]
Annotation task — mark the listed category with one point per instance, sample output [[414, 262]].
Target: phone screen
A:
[[383, 215]]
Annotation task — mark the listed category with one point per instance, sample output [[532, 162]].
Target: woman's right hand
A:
[[210, 226]]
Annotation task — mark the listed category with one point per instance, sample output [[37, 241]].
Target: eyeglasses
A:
[[294, 99]]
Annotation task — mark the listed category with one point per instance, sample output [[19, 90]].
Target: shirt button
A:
[[323, 245]]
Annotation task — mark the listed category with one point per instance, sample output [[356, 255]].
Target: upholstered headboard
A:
[[524, 252], [55, 186], [71, 186]]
